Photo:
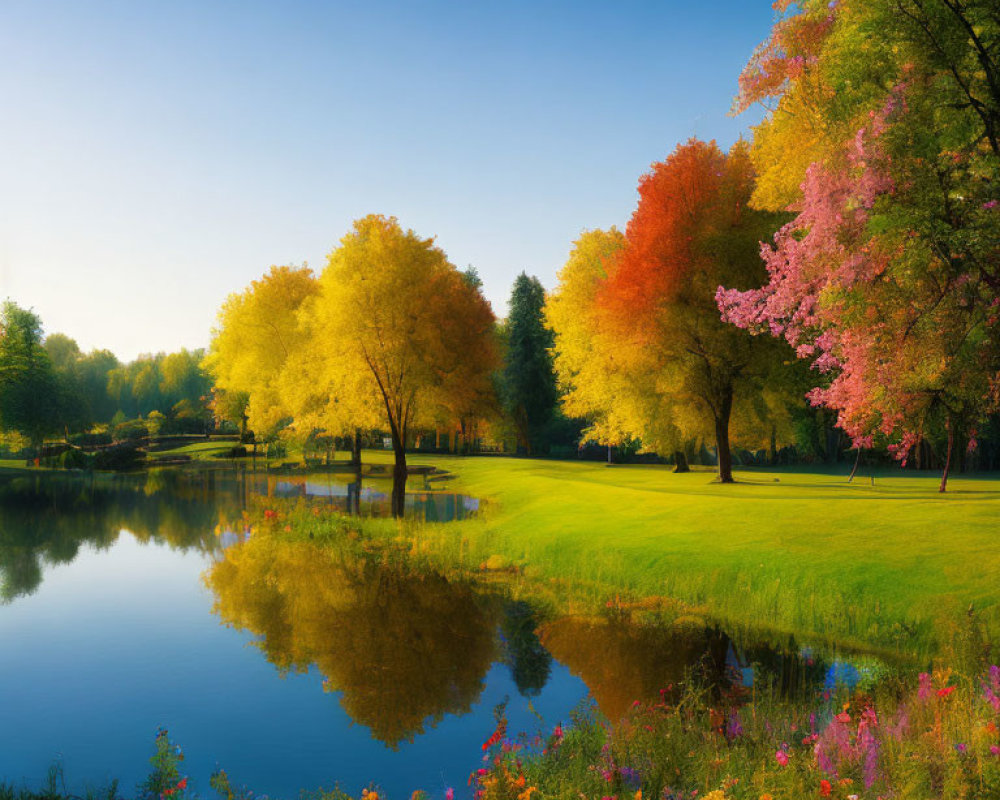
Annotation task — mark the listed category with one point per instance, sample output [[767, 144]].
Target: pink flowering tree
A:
[[888, 280]]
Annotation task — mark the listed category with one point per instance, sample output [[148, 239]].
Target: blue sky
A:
[[156, 156]]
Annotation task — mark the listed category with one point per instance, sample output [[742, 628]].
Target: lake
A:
[[131, 602]]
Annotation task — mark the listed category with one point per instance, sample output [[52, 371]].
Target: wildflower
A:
[[961, 747], [994, 750], [825, 787], [449, 794], [991, 204], [631, 776], [734, 727], [782, 758], [183, 784], [766, 797], [925, 686], [947, 690], [843, 717]]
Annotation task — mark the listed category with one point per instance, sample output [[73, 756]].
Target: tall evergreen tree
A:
[[529, 381]]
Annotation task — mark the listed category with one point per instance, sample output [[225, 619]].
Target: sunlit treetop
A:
[[258, 330]]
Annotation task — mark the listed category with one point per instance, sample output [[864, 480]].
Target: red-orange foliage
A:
[[691, 232], [686, 204]]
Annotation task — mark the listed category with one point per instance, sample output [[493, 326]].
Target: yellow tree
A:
[[258, 331], [591, 383], [395, 319]]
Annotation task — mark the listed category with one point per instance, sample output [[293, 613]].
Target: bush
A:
[[74, 459], [120, 457], [130, 431]]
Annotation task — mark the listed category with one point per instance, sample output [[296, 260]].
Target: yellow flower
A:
[[638, 795], [766, 797], [718, 794]]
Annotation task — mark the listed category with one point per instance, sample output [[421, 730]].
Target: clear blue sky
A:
[[156, 156]]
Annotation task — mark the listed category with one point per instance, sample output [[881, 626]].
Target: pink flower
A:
[[782, 758], [449, 794]]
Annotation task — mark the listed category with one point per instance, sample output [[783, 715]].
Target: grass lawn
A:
[[890, 565]]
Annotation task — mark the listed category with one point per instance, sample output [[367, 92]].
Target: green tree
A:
[[529, 381], [29, 388], [93, 372], [64, 354]]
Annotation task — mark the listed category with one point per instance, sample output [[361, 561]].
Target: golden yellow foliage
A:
[[258, 330]]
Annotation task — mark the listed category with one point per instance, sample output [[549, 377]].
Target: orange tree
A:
[[692, 231]]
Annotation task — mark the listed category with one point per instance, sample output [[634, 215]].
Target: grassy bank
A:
[[894, 564]]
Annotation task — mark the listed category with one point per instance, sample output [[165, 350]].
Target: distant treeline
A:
[[49, 388]]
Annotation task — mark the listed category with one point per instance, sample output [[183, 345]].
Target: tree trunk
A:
[[354, 495], [356, 449], [399, 480], [610, 460], [722, 439], [857, 462], [947, 458], [399, 471], [774, 445], [680, 462]]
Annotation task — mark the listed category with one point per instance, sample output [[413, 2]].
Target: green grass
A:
[[891, 565], [199, 451]]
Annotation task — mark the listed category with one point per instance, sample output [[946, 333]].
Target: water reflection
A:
[[351, 494], [403, 648], [621, 662], [46, 520]]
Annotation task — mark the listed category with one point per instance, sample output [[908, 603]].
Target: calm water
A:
[[133, 602]]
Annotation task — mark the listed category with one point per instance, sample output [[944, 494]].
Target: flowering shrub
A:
[[165, 781], [938, 738]]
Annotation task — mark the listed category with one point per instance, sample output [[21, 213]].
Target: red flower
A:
[[183, 784], [947, 690], [825, 788]]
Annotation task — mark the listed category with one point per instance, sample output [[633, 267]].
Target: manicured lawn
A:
[[803, 552]]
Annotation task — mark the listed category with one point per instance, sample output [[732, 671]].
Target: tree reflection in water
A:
[[45, 520], [403, 648]]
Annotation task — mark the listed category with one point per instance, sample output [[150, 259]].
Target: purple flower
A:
[[991, 204], [734, 727], [961, 747], [631, 777]]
